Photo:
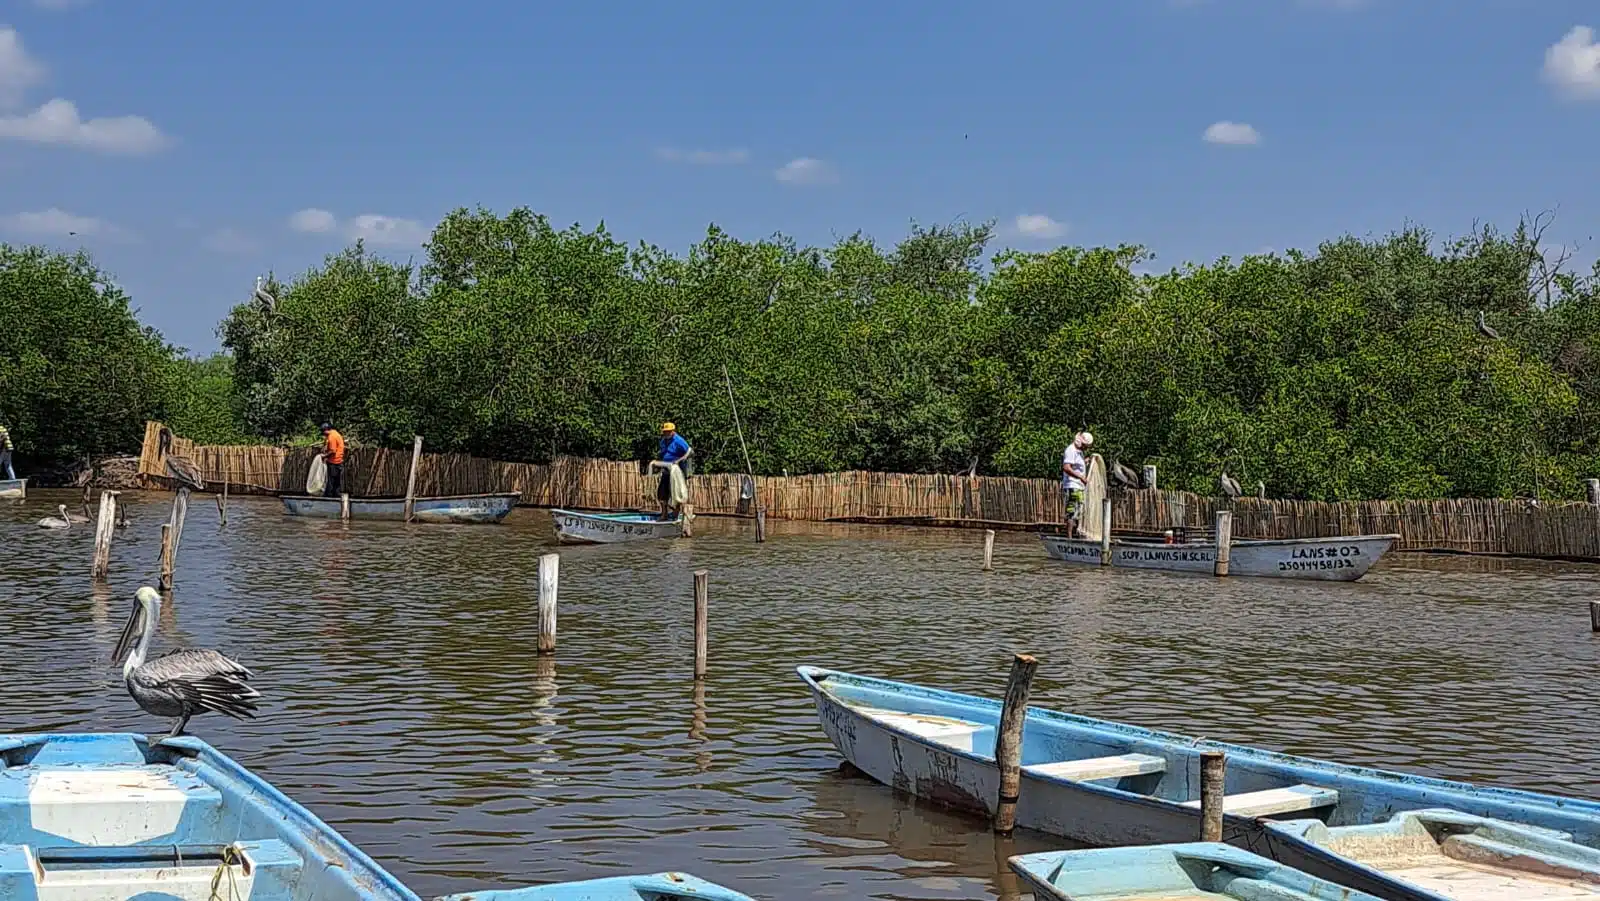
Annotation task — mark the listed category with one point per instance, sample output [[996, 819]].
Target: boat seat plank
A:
[[942, 729], [1276, 800], [1118, 766]]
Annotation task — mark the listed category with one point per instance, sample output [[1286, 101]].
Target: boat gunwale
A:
[[400, 500], [635, 517], [1242, 542]]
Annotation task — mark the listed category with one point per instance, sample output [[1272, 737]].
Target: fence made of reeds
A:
[[1508, 527]]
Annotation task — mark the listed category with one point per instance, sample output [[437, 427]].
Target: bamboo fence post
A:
[[1149, 477], [549, 581], [411, 479], [1213, 773], [166, 556], [702, 603], [1008, 740], [104, 529], [1224, 542], [988, 550], [1591, 489], [1105, 532]]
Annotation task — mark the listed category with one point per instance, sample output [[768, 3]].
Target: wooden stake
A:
[[105, 527], [761, 525], [180, 515], [1591, 488], [222, 504], [702, 601], [1594, 616], [166, 556], [1105, 532], [988, 550], [1008, 740], [1213, 770], [686, 513], [1224, 541], [549, 580], [344, 507], [1150, 477], [411, 480]]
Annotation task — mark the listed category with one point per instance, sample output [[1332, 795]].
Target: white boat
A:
[[608, 528], [13, 488], [1342, 559]]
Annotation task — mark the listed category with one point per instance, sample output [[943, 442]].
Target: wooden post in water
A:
[[1591, 489], [180, 515], [686, 513], [411, 479], [988, 550], [1150, 477], [1105, 532], [1213, 770], [702, 603], [166, 556], [1594, 616], [105, 527], [222, 504], [761, 524], [1008, 740], [1224, 542], [344, 507], [549, 580]]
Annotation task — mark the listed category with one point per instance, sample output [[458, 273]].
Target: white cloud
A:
[[57, 122], [1038, 225], [734, 157], [313, 221], [58, 223], [18, 70], [1572, 64], [806, 171], [230, 240], [386, 230], [1233, 133]]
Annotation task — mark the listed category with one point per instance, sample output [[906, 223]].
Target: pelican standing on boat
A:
[[180, 683]]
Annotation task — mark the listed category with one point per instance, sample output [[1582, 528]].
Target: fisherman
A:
[[5, 454], [673, 449], [333, 459], [1075, 474]]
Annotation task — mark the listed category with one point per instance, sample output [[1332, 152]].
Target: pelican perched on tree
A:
[[63, 521], [1229, 486], [267, 301], [1485, 330], [180, 683]]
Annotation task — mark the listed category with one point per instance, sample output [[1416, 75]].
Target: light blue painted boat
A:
[[1190, 872], [464, 508], [86, 817], [609, 528], [1105, 783], [13, 488]]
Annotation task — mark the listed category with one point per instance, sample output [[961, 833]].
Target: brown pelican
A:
[[1122, 476], [179, 683], [57, 522], [183, 470], [1229, 486], [1261, 490], [1485, 330]]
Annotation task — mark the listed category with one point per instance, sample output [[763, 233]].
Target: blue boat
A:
[[110, 816], [464, 508], [13, 488], [609, 528], [1103, 783], [1191, 872]]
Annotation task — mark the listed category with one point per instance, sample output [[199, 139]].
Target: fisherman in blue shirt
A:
[[673, 449]]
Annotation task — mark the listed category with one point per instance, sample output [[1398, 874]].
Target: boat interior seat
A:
[[1118, 766], [265, 869], [1273, 801], [962, 735], [64, 806]]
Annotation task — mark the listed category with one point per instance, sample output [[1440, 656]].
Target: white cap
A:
[[1084, 437]]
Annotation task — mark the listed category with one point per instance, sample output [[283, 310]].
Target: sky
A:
[[192, 146]]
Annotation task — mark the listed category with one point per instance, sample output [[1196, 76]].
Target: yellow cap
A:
[[668, 427]]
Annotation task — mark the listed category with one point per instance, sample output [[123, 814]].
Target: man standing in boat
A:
[[5, 454], [333, 459], [1075, 475], [673, 449]]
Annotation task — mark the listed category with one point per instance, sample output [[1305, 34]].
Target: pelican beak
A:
[[130, 634]]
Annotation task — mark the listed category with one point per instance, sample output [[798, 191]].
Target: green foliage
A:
[[78, 374], [205, 408]]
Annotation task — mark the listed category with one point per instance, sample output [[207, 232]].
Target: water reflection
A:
[[405, 704]]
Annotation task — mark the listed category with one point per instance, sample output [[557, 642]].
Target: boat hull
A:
[[939, 746], [609, 528], [13, 488], [1193, 870], [469, 508], [1322, 559]]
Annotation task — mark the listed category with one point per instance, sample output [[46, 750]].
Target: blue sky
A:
[[193, 146]]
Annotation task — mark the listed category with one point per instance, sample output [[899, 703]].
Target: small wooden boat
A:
[[1190, 872], [13, 488], [1105, 783], [111, 816], [462, 508], [606, 528], [1331, 559]]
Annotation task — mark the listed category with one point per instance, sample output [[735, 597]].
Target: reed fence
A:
[[1506, 527]]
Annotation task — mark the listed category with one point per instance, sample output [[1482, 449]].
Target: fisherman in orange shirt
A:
[[333, 458]]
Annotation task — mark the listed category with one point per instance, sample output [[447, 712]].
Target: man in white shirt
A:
[[1075, 473]]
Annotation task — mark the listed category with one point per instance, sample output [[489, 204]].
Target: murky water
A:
[[404, 703]]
